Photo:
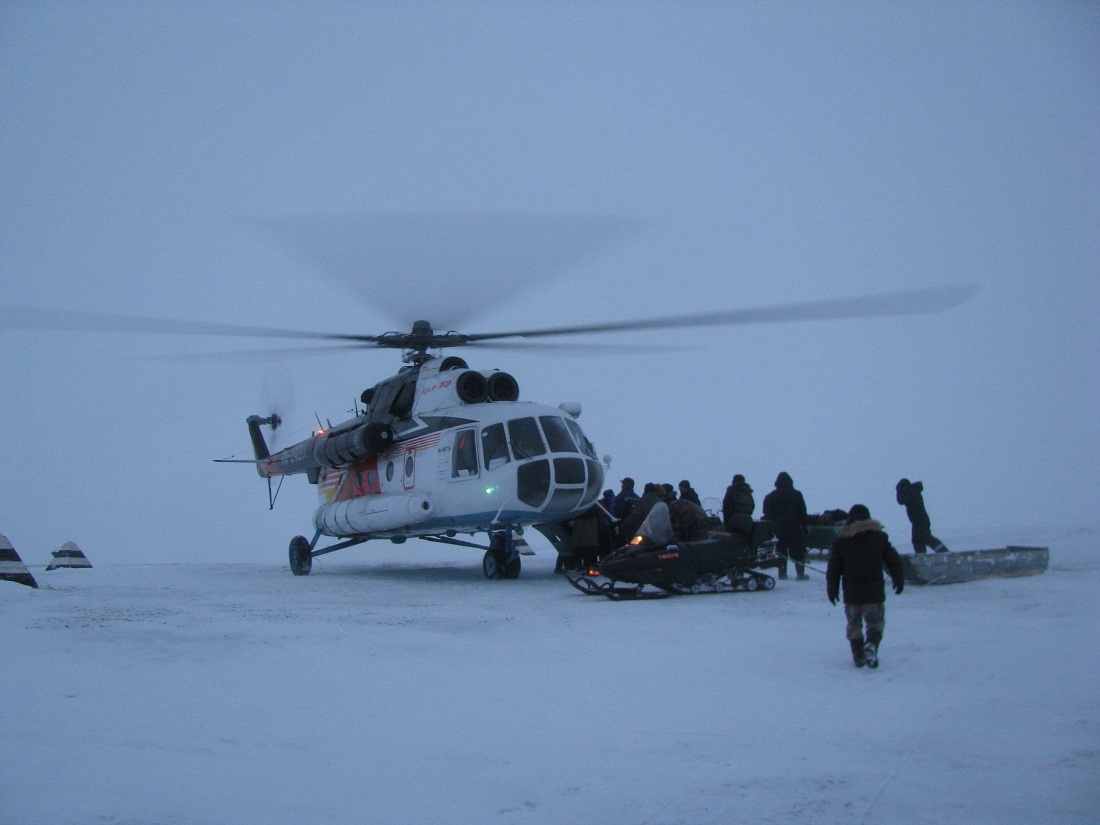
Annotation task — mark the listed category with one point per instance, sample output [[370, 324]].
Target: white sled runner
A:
[[12, 568], [970, 565], [69, 556]]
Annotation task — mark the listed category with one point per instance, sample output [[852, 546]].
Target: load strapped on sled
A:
[[656, 564]]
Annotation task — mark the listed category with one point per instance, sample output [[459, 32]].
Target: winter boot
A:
[[858, 656], [870, 654], [941, 548]]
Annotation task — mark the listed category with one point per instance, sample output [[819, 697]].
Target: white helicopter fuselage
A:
[[459, 467]]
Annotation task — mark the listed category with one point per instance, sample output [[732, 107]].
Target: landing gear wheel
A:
[[501, 561], [301, 557], [491, 565]]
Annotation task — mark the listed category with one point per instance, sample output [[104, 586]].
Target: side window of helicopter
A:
[[525, 438], [557, 435], [494, 449], [403, 403], [464, 455], [389, 471], [582, 440]]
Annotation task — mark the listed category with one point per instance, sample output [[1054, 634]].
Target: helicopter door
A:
[[409, 479], [464, 455]]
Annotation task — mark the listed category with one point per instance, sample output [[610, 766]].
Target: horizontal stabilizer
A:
[[12, 568], [971, 565], [69, 556]]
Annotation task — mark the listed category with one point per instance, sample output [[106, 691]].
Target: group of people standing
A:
[[859, 554], [628, 510]]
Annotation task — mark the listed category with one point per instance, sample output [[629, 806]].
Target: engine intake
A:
[[472, 387], [503, 387]]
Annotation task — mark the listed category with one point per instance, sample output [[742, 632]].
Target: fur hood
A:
[[856, 527]]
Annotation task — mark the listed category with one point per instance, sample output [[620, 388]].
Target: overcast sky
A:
[[769, 152]]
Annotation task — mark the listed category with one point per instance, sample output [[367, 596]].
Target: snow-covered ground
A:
[[396, 685]]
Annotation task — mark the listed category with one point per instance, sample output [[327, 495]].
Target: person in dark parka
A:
[[859, 552], [626, 499], [785, 508], [689, 519], [738, 500], [609, 525], [910, 495], [688, 492]]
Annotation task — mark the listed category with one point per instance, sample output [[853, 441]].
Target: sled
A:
[[972, 565], [819, 540]]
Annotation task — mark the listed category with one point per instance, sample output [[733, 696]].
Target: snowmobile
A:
[[655, 564]]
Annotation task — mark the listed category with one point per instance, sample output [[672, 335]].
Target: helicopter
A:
[[440, 449]]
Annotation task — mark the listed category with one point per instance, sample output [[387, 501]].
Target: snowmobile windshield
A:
[[657, 526]]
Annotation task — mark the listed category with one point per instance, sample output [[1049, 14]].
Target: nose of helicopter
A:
[[559, 485]]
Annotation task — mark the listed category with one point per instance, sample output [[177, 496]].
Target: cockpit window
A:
[[525, 438], [582, 441], [494, 449], [464, 455], [403, 403], [557, 434]]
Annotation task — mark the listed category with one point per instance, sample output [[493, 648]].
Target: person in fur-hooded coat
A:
[[856, 561]]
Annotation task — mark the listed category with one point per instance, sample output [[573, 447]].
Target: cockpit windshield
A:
[[494, 449], [583, 443], [525, 438], [557, 434]]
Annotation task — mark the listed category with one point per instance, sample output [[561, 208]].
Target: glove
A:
[[832, 600], [898, 587]]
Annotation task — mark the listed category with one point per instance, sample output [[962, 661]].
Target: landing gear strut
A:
[[501, 560]]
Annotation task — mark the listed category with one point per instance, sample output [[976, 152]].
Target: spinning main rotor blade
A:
[[912, 302], [66, 320], [447, 267]]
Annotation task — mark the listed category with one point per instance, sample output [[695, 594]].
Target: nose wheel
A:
[[496, 565], [501, 561]]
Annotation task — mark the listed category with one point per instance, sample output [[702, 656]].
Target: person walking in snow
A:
[[859, 552], [785, 508], [910, 495]]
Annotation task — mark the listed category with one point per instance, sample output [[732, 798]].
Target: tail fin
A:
[[259, 445]]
